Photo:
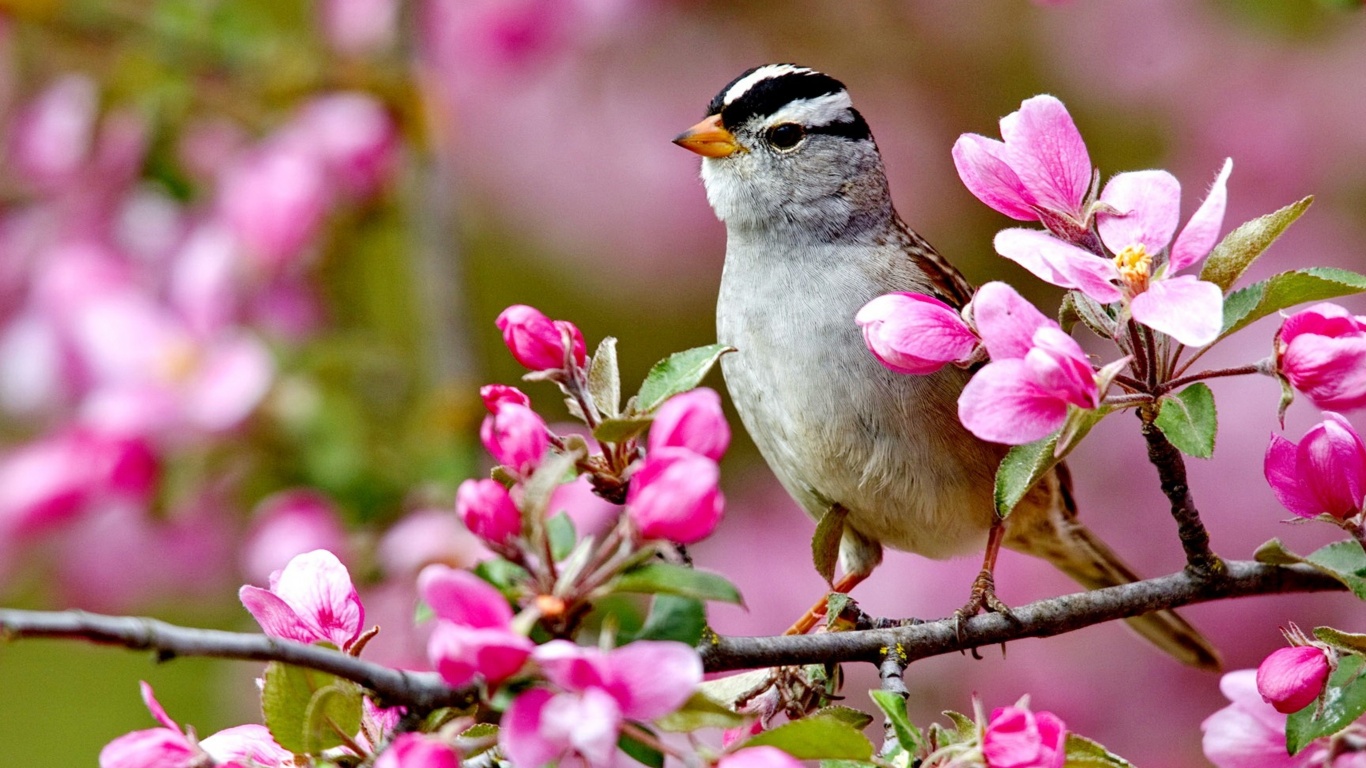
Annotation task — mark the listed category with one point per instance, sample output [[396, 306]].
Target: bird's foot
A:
[[982, 598], [838, 598]]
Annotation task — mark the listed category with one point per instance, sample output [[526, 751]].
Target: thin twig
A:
[[1241, 370], [1171, 471]]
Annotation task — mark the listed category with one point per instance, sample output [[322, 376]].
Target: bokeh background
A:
[[251, 252]]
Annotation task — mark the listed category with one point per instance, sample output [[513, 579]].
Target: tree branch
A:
[[1171, 470], [421, 691]]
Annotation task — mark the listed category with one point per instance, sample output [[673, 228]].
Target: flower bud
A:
[[536, 341], [418, 750], [692, 420], [1015, 737], [674, 496], [487, 510], [1325, 473], [516, 436], [915, 334], [1322, 352], [273, 201], [1290, 678], [494, 395], [759, 757]]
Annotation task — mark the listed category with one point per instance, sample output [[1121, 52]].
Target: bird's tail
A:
[[1049, 529]]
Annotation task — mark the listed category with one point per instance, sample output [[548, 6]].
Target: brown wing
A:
[[947, 281]]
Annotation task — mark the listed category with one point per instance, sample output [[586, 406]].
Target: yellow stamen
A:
[[1135, 267], [179, 362]]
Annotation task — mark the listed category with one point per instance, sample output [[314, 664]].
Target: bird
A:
[[791, 169]]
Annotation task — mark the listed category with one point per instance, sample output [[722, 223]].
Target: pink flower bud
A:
[[915, 334], [536, 341], [1015, 737], [692, 420], [487, 510], [311, 599], [759, 757], [674, 496], [1290, 678], [418, 750], [274, 200], [1325, 473], [495, 395], [516, 436], [1322, 351]]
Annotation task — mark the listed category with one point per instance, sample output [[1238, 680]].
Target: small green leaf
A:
[[1351, 642], [1344, 700], [731, 687], [619, 430], [1084, 753], [816, 738], [641, 753], [894, 707], [560, 530], [1236, 252], [1286, 290], [554, 471], [1190, 421], [670, 579], [604, 378], [423, 613], [672, 617], [677, 373], [1077, 306], [1025, 465], [298, 717], [700, 711], [1344, 561], [825, 542], [504, 575], [854, 717]]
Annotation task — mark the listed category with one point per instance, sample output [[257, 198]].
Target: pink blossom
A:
[[541, 728], [473, 637], [516, 436], [1015, 737], [915, 334], [1041, 167], [674, 496], [495, 395], [170, 747], [538, 342], [418, 750], [487, 510], [351, 134], [310, 600], [759, 757], [1036, 371], [1322, 351], [359, 27], [273, 199], [1148, 203], [1324, 474], [247, 745], [50, 481], [1289, 679], [53, 136], [1248, 733], [289, 523], [692, 420]]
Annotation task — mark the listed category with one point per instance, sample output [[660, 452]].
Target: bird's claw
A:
[[982, 598]]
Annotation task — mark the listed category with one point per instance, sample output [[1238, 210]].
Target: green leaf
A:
[[677, 373], [604, 378], [304, 709], [1286, 290], [848, 715], [422, 612], [700, 711], [1344, 561], [1351, 642], [560, 530], [1077, 306], [1190, 421], [731, 687], [825, 542], [642, 753], [501, 573], [670, 579], [1274, 553], [1026, 464], [554, 471], [1085, 753], [1236, 252], [619, 430], [816, 738], [673, 617], [894, 708], [1344, 700]]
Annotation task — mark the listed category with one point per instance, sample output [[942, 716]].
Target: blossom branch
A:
[[420, 691], [1171, 471], [1043, 618]]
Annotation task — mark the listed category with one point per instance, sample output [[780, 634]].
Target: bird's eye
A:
[[786, 135]]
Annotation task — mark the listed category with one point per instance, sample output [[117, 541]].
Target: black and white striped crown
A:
[[787, 92]]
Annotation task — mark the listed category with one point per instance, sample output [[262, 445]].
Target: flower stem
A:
[[1241, 370], [645, 737], [1171, 470]]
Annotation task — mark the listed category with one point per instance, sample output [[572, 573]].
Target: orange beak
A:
[[709, 139]]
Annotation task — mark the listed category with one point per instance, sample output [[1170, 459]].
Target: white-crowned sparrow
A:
[[792, 170]]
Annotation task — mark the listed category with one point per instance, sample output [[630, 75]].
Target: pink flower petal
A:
[[1045, 148], [1185, 308], [1281, 467], [1006, 320], [1331, 460], [319, 589], [1149, 203], [914, 334], [1248, 733], [520, 736], [984, 171], [1289, 679], [251, 744], [692, 420], [1059, 263], [158, 712], [1000, 404], [417, 750], [1331, 371], [152, 748], [1202, 231], [759, 757], [653, 678], [231, 380], [460, 653], [276, 617], [463, 598]]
